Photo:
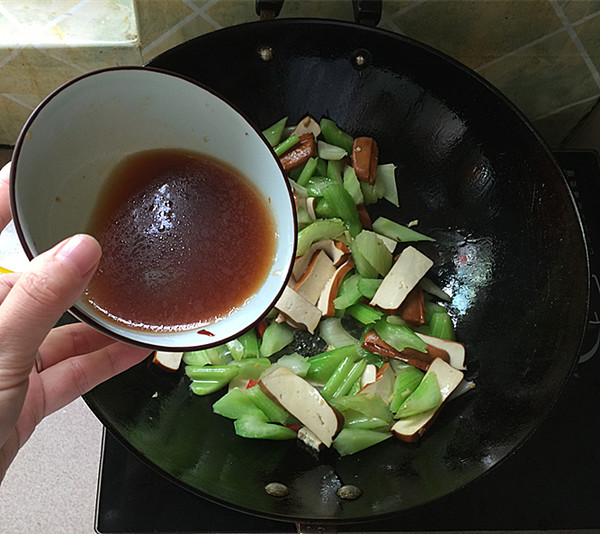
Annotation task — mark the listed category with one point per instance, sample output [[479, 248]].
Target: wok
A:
[[509, 248]]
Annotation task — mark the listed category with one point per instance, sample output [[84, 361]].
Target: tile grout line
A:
[[592, 98], [576, 41], [168, 33]]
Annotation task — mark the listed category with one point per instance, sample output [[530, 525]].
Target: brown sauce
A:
[[185, 240]]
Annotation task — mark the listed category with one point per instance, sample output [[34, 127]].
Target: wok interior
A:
[[509, 249]]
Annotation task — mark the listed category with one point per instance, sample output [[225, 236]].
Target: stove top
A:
[[550, 483]]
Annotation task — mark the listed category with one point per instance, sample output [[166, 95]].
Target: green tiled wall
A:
[[543, 54]]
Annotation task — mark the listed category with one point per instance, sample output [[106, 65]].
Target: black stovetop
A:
[[551, 482]]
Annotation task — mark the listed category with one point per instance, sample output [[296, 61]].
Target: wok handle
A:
[[366, 12]]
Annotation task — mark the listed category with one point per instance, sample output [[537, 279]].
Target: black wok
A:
[[509, 248]]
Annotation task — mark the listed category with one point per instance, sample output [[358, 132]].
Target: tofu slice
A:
[[304, 402], [455, 350], [299, 310], [169, 361], [315, 278], [404, 275], [307, 125], [325, 302], [411, 428], [337, 251]]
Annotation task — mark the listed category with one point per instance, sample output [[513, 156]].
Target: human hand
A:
[[71, 359]]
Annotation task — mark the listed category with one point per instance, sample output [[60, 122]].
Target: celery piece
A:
[[431, 308], [396, 231], [330, 152], [386, 173], [296, 363], [337, 378], [316, 184], [399, 336], [275, 337], [368, 286], [307, 171], [236, 348], [286, 145], [249, 341], [344, 206], [374, 251], [273, 411], [362, 265], [372, 193], [354, 419], [321, 169], [348, 292], [214, 356], [407, 380], [236, 404], [368, 404], [273, 133], [440, 325], [255, 427], [324, 210], [321, 229], [352, 185], [356, 387], [322, 366], [224, 373], [353, 375], [334, 170], [353, 440], [206, 387], [336, 136], [333, 332], [364, 313], [425, 397], [251, 368]]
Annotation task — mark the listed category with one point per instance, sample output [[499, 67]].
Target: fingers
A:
[[71, 340], [70, 378], [5, 215], [39, 297]]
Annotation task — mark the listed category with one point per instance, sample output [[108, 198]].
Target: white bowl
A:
[[76, 136]]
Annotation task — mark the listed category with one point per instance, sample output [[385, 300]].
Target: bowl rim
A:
[[88, 318]]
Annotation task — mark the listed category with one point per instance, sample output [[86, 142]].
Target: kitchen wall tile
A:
[[578, 9], [553, 127], [544, 77], [475, 31], [588, 33]]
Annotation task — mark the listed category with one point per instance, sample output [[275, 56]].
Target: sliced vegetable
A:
[[274, 133], [236, 404], [276, 337], [407, 380], [317, 231], [374, 251], [336, 136], [330, 152], [322, 366], [352, 440], [343, 205], [256, 427], [364, 313], [286, 145], [399, 337], [396, 231], [424, 398], [387, 174]]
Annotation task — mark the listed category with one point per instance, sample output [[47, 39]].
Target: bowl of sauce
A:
[[186, 197]]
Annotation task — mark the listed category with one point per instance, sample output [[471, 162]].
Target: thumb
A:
[[53, 283]]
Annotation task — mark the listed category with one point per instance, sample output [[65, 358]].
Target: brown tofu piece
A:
[[365, 155], [299, 154]]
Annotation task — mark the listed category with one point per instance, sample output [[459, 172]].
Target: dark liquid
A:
[[185, 240]]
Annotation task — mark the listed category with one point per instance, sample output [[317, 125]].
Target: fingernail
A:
[[82, 252]]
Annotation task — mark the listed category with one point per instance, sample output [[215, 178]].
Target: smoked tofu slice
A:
[[169, 361], [304, 402], [307, 125], [314, 279], [455, 350], [325, 303], [337, 251], [405, 274], [299, 310], [411, 428]]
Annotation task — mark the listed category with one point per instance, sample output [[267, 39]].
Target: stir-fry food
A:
[[359, 347]]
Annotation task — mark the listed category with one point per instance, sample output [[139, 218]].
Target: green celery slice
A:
[[255, 427], [362, 265], [386, 173], [320, 229], [367, 287], [426, 397], [286, 145], [333, 332], [316, 184], [354, 419], [274, 413], [368, 404], [275, 337], [251, 368], [236, 404], [396, 231], [322, 366], [352, 185], [407, 380], [374, 251], [364, 313], [337, 378], [206, 387], [324, 210], [399, 336], [223, 373], [352, 440], [440, 325], [348, 292], [343, 204], [273, 133], [372, 193], [307, 171], [296, 363], [334, 135], [355, 373]]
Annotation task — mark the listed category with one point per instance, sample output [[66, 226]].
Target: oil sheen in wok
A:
[[186, 239]]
